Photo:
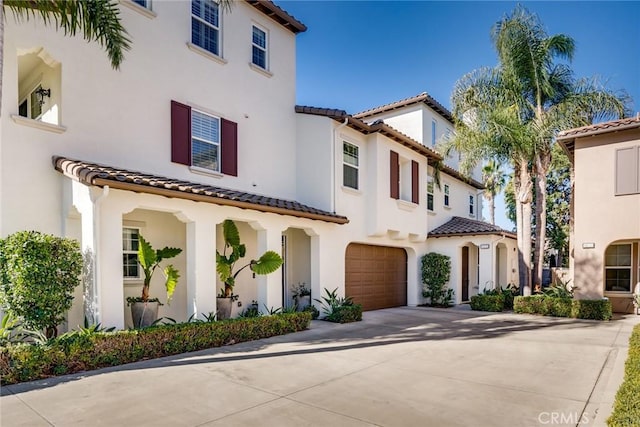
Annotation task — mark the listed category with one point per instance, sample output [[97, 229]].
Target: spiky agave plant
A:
[[234, 251]]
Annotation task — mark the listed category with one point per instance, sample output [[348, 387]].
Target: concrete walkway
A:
[[399, 367]]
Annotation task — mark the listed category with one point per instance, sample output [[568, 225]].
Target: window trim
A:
[[124, 252], [217, 28], [430, 193], [472, 206], [446, 191], [356, 167], [265, 49], [145, 11], [434, 132], [630, 267], [218, 144], [27, 99]]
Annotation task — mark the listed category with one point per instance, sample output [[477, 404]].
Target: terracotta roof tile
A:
[[424, 97], [101, 175], [279, 15], [459, 226]]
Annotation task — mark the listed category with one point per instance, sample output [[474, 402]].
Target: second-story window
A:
[[472, 208], [430, 194], [434, 130], [144, 3], [350, 165], [205, 25], [446, 195], [259, 47], [205, 141]]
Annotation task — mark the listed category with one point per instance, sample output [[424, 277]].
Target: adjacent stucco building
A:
[[606, 209]]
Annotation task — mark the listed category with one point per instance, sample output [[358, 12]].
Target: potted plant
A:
[[302, 296], [144, 310], [234, 251]]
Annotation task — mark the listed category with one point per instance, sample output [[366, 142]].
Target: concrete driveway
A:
[[399, 367]]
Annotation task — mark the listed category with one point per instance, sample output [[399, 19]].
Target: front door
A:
[[465, 273]]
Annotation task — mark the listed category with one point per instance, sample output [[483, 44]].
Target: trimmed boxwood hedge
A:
[[563, 307], [626, 408], [82, 352], [487, 302]]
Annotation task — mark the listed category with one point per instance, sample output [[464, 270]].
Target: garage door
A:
[[376, 276]]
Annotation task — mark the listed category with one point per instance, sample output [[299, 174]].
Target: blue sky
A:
[[361, 54]]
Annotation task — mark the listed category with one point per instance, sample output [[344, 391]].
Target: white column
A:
[[110, 280], [201, 266], [270, 285], [414, 285], [315, 268], [487, 266]]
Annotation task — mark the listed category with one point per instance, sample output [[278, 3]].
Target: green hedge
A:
[[345, 314], [626, 408], [81, 352], [487, 302], [563, 307]]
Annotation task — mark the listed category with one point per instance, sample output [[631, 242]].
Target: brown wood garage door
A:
[[376, 276]]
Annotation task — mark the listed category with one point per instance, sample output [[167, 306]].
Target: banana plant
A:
[[234, 251], [150, 259]]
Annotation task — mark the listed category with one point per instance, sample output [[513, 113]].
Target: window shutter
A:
[[180, 133], [394, 175], [415, 182], [229, 148], [627, 179]]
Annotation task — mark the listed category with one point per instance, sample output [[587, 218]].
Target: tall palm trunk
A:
[[522, 189], [492, 208], [543, 162]]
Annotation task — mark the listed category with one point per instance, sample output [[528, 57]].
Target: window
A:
[[350, 165], [627, 171], [434, 129], [144, 3], [205, 25], [430, 194], [618, 268], [404, 178], [203, 140], [259, 42], [31, 106], [472, 201], [130, 266], [446, 195]]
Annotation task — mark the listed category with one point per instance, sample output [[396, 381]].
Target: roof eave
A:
[[478, 233]]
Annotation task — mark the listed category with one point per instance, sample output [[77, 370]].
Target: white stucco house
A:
[[200, 125]]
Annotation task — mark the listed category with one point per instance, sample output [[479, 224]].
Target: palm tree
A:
[[523, 102], [494, 180], [553, 99]]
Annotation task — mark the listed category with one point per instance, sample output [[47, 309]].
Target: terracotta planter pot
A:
[[224, 308], [144, 313]]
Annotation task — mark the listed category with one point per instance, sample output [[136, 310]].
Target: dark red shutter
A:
[[229, 148], [394, 175], [415, 182], [180, 133]]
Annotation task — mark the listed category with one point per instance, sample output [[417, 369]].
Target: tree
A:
[[558, 201], [526, 99], [38, 274], [494, 180], [553, 99]]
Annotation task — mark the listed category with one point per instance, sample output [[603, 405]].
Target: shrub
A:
[[38, 273], [436, 270], [626, 408], [563, 307], [487, 302], [86, 350], [339, 310], [315, 313]]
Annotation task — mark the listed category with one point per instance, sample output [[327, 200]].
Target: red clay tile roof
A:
[[390, 132], [279, 15], [567, 138], [459, 226], [424, 97], [101, 175]]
